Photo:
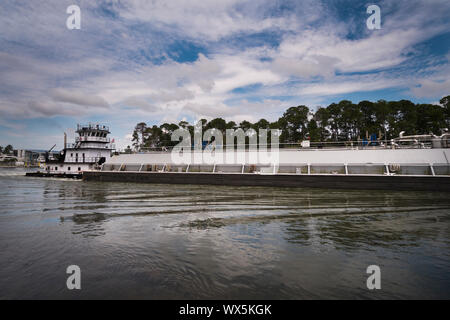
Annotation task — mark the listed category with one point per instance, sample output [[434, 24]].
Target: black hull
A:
[[372, 182], [54, 175]]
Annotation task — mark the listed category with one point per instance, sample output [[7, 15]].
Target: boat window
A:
[[56, 168], [68, 168], [79, 168]]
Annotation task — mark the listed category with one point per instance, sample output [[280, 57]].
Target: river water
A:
[[149, 241]]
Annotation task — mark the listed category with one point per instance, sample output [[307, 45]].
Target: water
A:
[[202, 242]]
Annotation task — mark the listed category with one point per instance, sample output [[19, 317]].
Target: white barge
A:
[[406, 163]]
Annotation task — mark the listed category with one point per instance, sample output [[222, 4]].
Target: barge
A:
[[406, 163]]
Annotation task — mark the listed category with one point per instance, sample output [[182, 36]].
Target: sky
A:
[[167, 61]]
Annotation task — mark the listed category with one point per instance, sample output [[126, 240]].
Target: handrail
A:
[[352, 145], [109, 146], [92, 139], [92, 126]]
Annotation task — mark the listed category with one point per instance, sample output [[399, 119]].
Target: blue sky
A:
[[167, 61]]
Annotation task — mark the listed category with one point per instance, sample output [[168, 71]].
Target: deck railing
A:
[[92, 139], [82, 160], [296, 146], [110, 146], [91, 126]]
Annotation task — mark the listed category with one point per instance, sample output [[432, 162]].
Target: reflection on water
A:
[[181, 241]]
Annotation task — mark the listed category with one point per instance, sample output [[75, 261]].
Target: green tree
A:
[[383, 116], [322, 118], [314, 130], [183, 124], [217, 123], [335, 120], [231, 125], [431, 119], [245, 125], [294, 124], [8, 149], [369, 118], [138, 135], [135, 140], [166, 134], [445, 102], [404, 117], [262, 124], [351, 120], [152, 137]]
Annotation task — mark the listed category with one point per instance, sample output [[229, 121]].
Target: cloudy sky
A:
[[166, 61]]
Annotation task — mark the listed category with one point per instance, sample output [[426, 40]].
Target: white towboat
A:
[[91, 149]]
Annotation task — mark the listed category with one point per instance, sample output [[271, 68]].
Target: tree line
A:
[[7, 150], [343, 121]]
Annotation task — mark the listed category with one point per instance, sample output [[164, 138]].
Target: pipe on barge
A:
[[326, 181]]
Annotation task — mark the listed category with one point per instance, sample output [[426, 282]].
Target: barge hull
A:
[[365, 182], [54, 175]]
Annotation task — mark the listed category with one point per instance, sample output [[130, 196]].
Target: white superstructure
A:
[[91, 149]]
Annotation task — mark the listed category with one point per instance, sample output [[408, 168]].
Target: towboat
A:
[[91, 149]]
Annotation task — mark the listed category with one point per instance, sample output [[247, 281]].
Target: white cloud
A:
[[78, 98], [430, 88], [212, 20]]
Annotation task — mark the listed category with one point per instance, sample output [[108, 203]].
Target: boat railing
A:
[[92, 139], [302, 146], [92, 126], [109, 146], [82, 160]]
